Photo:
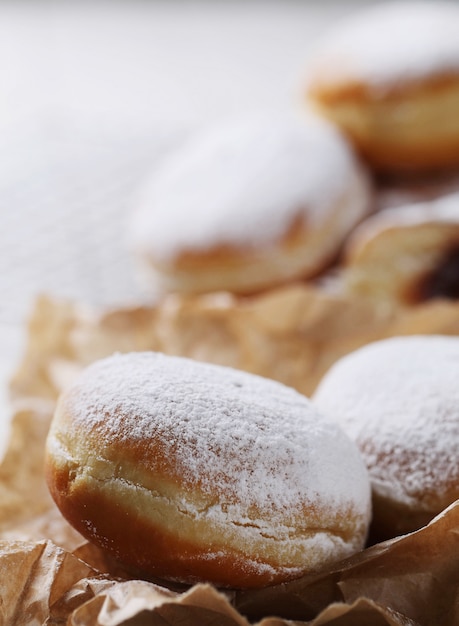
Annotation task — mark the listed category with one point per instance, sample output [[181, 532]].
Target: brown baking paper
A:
[[34, 577], [293, 334], [50, 574], [416, 575]]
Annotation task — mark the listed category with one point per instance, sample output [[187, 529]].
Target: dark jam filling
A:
[[443, 282]]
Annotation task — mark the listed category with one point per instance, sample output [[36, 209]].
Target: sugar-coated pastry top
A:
[[250, 440], [243, 185], [399, 400], [391, 43]]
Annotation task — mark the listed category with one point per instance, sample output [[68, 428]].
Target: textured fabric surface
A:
[[63, 211]]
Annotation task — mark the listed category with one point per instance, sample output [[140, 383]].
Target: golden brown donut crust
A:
[[147, 547], [130, 495]]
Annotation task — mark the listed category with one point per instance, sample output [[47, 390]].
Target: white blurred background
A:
[[92, 94]]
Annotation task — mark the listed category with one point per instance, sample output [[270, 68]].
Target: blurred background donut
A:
[[251, 204], [389, 77]]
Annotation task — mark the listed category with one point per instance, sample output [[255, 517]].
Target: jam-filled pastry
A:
[[398, 399], [190, 471], [250, 205], [389, 77], [406, 255]]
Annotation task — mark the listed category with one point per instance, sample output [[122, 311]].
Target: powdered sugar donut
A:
[[191, 471], [389, 77], [249, 205], [399, 400], [406, 255]]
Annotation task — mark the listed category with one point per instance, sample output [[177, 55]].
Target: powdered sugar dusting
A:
[[399, 399], [243, 184], [393, 42], [251, 441]]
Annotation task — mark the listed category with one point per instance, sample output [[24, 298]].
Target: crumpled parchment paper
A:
[[50, 575]]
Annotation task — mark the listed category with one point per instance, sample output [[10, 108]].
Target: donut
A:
[[406, 255], [389, 78], [398, 399], [190, 472], [249, 205]]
